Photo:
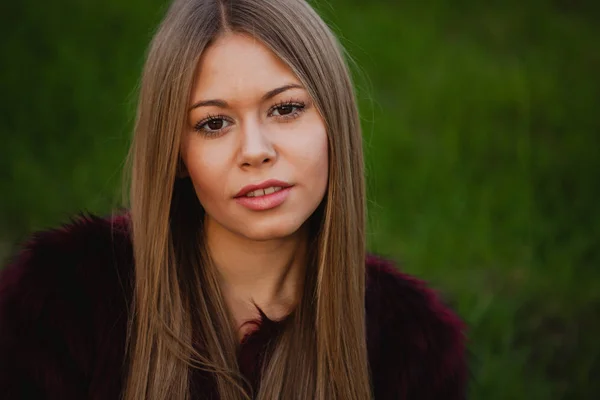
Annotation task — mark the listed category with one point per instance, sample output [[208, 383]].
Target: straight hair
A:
[[179, 321]]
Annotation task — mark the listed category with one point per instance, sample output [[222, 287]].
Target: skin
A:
[[260, 255]]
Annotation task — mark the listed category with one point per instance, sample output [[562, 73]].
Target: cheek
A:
[[205, 168], [322, 159], [312, 158]]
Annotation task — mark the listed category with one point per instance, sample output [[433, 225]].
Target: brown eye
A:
[[285, 109], [215, 124], [212, 125]]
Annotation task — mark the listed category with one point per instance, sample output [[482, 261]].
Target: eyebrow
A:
[[269, 95]]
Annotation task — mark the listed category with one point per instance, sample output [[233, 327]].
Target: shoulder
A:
[[77, 256], [416, 342], [63, 301]]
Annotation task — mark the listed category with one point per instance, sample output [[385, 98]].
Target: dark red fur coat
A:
[[64, 306]]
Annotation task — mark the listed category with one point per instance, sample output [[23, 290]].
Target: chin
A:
[[264, 232], [261, 226], [269, 227]]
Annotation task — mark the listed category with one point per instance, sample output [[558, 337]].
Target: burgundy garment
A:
[[64, 303]]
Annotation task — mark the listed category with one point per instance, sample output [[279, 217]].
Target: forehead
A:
[[235, 65]]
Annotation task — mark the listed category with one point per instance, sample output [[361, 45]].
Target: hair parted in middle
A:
[[179, 320]]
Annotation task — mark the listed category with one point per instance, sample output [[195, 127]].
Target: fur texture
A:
[[64, 302]]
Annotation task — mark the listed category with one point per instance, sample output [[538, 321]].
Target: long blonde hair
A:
[[179, 321]]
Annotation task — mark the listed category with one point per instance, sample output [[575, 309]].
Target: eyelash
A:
[[299, 106]]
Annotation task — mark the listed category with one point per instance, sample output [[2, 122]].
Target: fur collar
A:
[[63, 319]]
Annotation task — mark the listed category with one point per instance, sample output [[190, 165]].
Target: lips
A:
[[271, 183], [265, 202], [264, 192]]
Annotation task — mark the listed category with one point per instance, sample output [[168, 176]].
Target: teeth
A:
[[262, 192]]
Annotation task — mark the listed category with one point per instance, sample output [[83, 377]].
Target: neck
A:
[[267, 273]]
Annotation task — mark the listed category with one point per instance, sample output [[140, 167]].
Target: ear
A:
[[182, 171]]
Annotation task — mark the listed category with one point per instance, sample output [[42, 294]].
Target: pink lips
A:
[[267, 201], [263, 185]]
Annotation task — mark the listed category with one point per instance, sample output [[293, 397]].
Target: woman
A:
[[246, 225]]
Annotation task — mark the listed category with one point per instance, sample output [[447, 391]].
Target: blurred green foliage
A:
[[482, 143]]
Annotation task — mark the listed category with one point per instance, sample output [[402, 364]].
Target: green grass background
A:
[[481, 124]]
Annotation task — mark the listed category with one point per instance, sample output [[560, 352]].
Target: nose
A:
[[256, 149]]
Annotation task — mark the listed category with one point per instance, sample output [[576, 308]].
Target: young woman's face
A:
[[253, 125]]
